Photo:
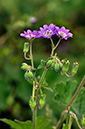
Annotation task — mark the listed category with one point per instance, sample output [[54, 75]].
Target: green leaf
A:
[[44, 84], [17, 124], [42, 122], [64, 92], [48, 88], [40, 66]]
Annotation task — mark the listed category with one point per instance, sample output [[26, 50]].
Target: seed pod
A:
[[52, 65], [32, 103], [56, 66], [65, 66], [60, 64], [42, 101], [49, 63], [75, 68], [30, 74], [26, 47], [24, 66], [26, 75]]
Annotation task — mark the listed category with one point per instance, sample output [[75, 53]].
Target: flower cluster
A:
[[47, 31]]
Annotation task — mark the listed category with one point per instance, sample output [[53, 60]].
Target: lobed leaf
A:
[[18, 124]]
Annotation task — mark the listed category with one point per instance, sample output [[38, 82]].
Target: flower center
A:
[[61, 33], [30, 35], [48, 32]]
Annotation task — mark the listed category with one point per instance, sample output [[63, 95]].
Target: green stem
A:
[[67, 119], [57, 44], [70, 122], [61, 120], [52, 42], [34, 118], [33, 92], [41, 80], [43, 75], [31, 56], [53, 48]]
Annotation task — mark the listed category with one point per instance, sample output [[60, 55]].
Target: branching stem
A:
[[54, 47]]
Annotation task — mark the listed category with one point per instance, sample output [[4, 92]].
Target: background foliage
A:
[[15, 18]]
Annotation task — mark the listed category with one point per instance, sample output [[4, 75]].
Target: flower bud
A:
[[26, 75], [83, 120], [26, 47], [65, 66], [30, 74], [42, 101], [52, 65], [32, 103], [49, 63], [24, 66], [60, 64], [56, 66], [75, 68]]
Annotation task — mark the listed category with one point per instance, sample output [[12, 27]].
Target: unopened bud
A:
[[52, 65], [56, 66], [42, 101], [30, 74], [24, 66], [75, 68], [32, 103], [26, 75], [26, 47], [49, 63], [60, 64], [65, 66]]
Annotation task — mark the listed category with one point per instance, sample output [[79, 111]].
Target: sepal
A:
[[26, 47]]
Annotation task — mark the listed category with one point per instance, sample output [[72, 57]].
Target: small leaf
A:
[[43, 62], [40, 66], [48, 88], [42, 122], [18, 124], [44, 84]]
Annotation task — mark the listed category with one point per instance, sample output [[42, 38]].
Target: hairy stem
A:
[[31, 56], [34, 117]]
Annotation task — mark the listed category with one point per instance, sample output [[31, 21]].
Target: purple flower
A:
[[36, 34], [47, 31], [33, 19], [29, 34], [64, 33]]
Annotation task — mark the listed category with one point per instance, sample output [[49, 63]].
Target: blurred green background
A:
[[15, 17]]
